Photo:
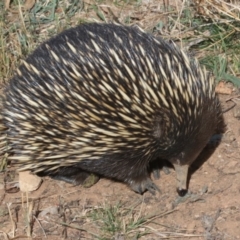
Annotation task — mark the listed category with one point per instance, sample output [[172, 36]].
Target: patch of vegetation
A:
[[119, 221]]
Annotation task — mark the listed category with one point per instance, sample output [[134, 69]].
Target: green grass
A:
[[21, 33], [217, 42], [118, 220], [122, 220], [222, 53]]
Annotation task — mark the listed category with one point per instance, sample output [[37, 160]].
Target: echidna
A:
[[108, 99]]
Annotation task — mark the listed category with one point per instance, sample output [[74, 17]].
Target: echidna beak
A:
[[182, 175]]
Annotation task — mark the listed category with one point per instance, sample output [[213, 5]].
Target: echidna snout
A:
[[182, 173]]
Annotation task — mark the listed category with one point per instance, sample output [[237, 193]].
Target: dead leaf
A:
[[29, 182]]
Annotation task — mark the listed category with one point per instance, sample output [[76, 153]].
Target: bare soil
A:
[[210, 211]]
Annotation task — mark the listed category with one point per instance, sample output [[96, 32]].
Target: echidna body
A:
[[108, 99]]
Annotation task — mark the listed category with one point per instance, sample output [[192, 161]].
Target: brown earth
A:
[[210, 211]]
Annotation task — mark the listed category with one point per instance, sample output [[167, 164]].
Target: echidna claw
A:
[[158, 166], [153, 188], [156, 172], [145, 185]]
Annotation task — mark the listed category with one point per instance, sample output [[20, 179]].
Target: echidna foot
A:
[[157, 166], [89, 181], [75, 176], [156, 172], [145, 185]]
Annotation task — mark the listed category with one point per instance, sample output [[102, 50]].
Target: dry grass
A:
[[209, 29]]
